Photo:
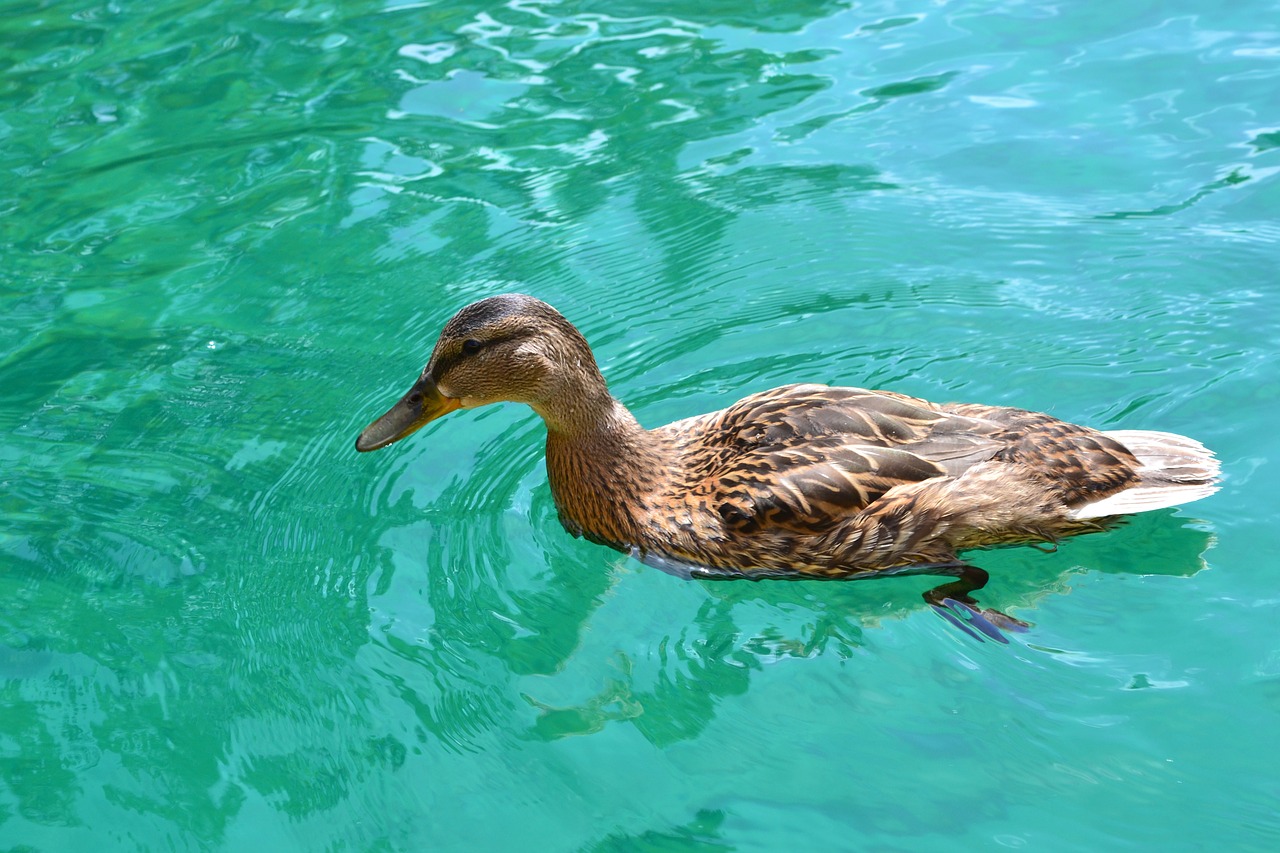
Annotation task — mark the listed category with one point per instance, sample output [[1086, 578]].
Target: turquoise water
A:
[[230, 233]]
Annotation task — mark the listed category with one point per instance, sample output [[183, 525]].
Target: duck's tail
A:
[[1175, 470]]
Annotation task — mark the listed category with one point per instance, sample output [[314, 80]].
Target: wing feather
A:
[[811, 489], [806, 457]]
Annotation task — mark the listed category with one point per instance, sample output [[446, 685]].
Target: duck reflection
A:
[[669, 688]]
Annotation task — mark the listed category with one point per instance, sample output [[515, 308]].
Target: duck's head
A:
[[505, 348]]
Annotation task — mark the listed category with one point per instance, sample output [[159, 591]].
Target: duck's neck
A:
[[603, 466]]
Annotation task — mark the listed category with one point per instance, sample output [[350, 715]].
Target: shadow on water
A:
[[741, 626], [702, 833]]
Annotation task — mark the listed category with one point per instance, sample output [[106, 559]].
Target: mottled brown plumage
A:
[[802, 480]]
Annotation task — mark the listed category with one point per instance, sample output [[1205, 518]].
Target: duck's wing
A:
[[804, 457], [810, 489], [794, 416]]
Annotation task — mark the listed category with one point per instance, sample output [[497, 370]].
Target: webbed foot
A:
[[978, 623], [952, 602]]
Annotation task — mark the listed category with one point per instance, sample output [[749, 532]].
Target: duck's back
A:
[[805, 455], [795, 416], [945, 439]]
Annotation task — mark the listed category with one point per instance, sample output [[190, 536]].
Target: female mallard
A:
[[800, 481]]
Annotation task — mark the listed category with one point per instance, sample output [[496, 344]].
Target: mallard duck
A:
[[802, 481]]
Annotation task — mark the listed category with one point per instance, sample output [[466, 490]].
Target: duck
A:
[[803, 481]]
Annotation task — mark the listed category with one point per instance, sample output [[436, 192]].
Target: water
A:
[[230, 234]]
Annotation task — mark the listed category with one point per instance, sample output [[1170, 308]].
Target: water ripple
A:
[[232, 234]]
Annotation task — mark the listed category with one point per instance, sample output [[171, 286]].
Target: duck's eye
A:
[[471, 346]]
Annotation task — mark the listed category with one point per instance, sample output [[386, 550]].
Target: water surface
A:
[[230, 234]]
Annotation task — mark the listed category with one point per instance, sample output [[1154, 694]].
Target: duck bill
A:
[[422, 405]]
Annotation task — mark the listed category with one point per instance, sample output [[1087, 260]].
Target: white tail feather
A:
[[1174, 470]]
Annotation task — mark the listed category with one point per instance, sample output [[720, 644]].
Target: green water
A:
[[229, 233]]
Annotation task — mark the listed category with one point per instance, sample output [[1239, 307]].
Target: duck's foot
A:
[[952, 602], [978, 623]]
